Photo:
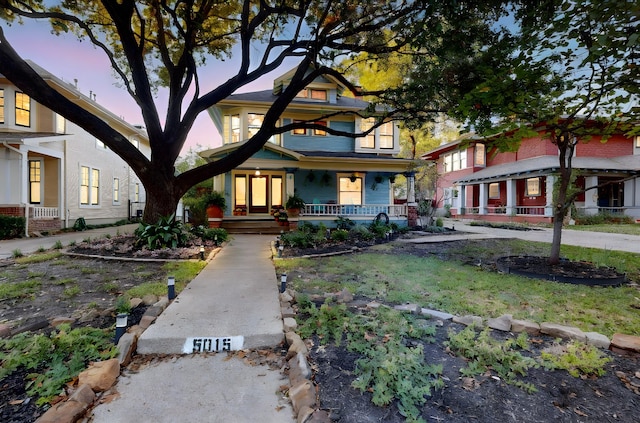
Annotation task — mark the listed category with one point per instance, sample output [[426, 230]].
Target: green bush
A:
[[210, 234], [11, 227], [166, 233], [361, 232], [297, 239], [339, 235], [602, 218], [54, 360]]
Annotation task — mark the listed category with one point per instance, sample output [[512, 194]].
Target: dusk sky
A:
[[69, 59]]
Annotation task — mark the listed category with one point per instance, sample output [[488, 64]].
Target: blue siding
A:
[[379, 195], [321, 143]]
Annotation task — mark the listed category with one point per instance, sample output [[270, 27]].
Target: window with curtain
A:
[[23, 109]]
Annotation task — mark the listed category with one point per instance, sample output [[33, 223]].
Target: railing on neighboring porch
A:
[[38, 213], [501, 210], [354, 210]]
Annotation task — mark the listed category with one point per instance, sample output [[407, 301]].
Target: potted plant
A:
[[294, 204], [215, 204], [282, 218]]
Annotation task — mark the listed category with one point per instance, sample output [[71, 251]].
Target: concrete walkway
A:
[[232, 302]]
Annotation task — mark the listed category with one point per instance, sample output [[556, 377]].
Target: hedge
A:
[[11, 227]]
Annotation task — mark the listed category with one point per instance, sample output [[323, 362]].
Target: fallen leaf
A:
[[580, 413], [16, 402]]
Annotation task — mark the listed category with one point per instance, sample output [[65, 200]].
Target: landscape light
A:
[[171, 287]]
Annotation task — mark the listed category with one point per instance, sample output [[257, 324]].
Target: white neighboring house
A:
[[54, 172]]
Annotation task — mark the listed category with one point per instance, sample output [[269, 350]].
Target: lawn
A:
[[395, 275], [629, 229]]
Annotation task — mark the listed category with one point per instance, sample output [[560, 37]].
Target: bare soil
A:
[[614, 397]]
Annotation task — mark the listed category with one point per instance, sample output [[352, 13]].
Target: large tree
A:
[[160, 44], [575, 76]]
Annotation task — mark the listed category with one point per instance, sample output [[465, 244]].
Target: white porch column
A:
[[484, 198], [548, 208], [629, 197], [512, 200], [591, 196], [289, 186], [411, 188], [462, 199]]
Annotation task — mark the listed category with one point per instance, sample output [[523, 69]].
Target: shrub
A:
[[602, 218], [361, 232], [166, 233], [297, 239], [344, 223], [11, 227], [339, 235], [210, 234]]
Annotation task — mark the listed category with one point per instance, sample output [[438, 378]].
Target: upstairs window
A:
[[386, 135], [299, 131], [1, 105], [23, 109], [455, 161], [61, 124], [320, 132], [369, 140], [254, 123], [116, 190], [313, 94], [235, 128], [480, 155]]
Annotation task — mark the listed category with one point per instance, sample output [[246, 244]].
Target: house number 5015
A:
[[212, 344]]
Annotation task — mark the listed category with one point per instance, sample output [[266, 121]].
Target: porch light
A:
[[283, 282], [257, 171], [171, 287], [215, 240], [121, 325]]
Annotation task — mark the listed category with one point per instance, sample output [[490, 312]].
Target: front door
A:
[[258, 194]]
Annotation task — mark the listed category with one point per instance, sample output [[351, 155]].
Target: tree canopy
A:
[[159, 45]]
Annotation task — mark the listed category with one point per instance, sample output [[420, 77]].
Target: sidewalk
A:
[[32, 244], [234, 299]]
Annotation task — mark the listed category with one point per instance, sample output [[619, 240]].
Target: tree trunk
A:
[[161, 198], [560, 205]]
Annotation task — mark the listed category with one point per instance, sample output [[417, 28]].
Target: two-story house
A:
[[477, 182], [54, 172], [343, 176]]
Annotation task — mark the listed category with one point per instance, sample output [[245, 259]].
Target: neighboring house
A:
[[477, 182], [53, 172], [335, 175]]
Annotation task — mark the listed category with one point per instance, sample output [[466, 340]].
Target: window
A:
[[637, 136], [35, 181], [320, 132], [386, 135], [480, 155], [136, 193], [89, 186], [254, 123], [23, 109], [318, 94], [313, 94], [369, 140], [455, 161], [533, 187], [116, 190], [299, 131], [100, 145], [494, 190], [135, 142], [350, 190], [1, 105], [276, 190], [241, 190], [61, 124]]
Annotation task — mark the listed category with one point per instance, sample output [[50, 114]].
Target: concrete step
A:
[[253, 226]]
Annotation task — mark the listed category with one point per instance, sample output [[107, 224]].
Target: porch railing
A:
[[354, 210], [40, 213]]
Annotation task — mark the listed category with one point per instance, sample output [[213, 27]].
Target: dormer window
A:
[[386, 135], [313, 94], [320, 132]]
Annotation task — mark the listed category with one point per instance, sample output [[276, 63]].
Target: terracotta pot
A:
[[214, 211], [293, 212]]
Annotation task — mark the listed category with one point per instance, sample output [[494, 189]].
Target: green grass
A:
[[183, 271], [19, 289], [628, 229], [38, 258], [464, 289]]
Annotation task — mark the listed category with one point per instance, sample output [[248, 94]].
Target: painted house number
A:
[[211, 344]]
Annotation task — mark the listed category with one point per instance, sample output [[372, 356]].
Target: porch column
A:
[[548, 208], [289, 186], [591, 196], [629, 197], [512, 198], [412, 206], [484, 199], [462, 199]]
